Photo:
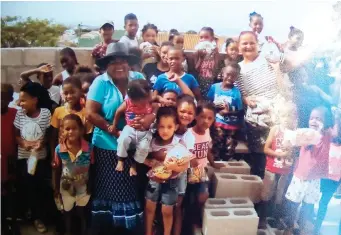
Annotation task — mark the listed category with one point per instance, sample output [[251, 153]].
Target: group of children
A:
[[196, 117]]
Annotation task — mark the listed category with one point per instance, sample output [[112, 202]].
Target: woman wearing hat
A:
[[114, 193]]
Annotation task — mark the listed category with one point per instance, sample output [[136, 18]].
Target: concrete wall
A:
[[16, 60]]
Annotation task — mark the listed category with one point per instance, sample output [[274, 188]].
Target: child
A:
[[295, 39], [197, 179], [176, 79], [178, 40], [72, 90], [71, 163], [229, 118], [153, 70], [69, 63], [170, 97], [31, 127], [44, 74], [278, 163], [312, 165], [330, 184], [149, 45], [8, 159], [207, 64], [167, 124], [106, 31], [131, 25], [256, 25], [138, 103], [232, 55]]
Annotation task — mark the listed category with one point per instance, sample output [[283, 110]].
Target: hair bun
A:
[[253, 13], [292, 27]]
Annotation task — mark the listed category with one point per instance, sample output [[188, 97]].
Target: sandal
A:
[[40, 226]]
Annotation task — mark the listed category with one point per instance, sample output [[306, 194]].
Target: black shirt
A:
[[152, 72]]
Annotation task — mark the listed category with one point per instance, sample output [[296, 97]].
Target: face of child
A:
[[296, 41], [72, 131], [131, 26], [205, 119], [149, 36], [85, 87], [232, 51], [118, 69], [6, 98], [205, 36], [248, 46], [67, 62], [27, 102], [72, 94], [166, 127], [106, 33], [171, 97], [316, 120], [230, 75], [178, 41], [287, 119], [164, 53], [175, 59], [186, 113], [256, 24], [45, 80]]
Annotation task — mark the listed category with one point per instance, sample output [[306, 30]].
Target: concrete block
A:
[[35, 56], [237, 202], [264, 232], [11, 57], [230, 221], [3, 75], [235, 167], [227, 185], [83, 56]]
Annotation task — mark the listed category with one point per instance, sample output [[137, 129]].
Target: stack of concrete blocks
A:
[[234, 167], [230, 221]]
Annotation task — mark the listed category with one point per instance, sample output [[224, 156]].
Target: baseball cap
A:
[[108, 23]]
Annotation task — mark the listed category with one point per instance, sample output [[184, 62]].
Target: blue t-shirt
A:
[[162, 83], [233, 99], [133, 75], [104, 91]]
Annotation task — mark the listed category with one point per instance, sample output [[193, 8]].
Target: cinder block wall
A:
[[16, 60]]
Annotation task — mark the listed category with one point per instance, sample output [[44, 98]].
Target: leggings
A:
[[328, 188]]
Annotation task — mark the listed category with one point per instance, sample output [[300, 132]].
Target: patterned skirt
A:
[[115, 201]]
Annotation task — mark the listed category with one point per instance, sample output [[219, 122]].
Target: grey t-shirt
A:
[[130, 43]]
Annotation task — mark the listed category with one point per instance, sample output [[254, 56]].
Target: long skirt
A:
[[115, 202]]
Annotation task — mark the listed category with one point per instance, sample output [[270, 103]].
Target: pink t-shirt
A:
[[201, 147], [334, 162], [313, 163], [133, 111]]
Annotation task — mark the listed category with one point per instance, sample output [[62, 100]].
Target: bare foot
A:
[[119, 166], [132, 171]]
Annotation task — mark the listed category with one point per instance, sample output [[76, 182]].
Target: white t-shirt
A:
[[130, 43], [32, 129], [155, 147], [54, 92], [187, 138]]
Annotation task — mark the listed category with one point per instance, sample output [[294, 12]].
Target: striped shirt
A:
[[257, 78], [32, 129]]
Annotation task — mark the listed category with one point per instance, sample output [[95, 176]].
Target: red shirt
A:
[[8, 143], [313, 162], [274, 164]]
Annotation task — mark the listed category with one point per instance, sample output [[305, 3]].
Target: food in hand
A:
[[161, 172]]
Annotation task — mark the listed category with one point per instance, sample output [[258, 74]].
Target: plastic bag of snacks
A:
[[302, 137], [146, 47], [32, 163], [207, 46], [178, 158], [197, 175]]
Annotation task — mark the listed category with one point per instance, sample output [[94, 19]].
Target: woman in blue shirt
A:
[[114, 193]]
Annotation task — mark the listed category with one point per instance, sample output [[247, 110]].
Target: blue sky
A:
[[227, 17]]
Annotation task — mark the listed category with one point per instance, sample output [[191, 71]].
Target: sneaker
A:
[[40, 226]]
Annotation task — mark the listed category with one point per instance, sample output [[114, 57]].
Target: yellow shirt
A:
[[61, 112]]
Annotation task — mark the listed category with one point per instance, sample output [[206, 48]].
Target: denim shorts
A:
[[197, 188], [182, 184], [166, 192]]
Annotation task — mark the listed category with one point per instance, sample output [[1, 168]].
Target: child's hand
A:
[[120, 166], [27, 145], [194, 162], [283, 154], [39, 145], [174, 78], [202, 53], [155, 50], [113, 131], [251, 101], [45, 68]]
